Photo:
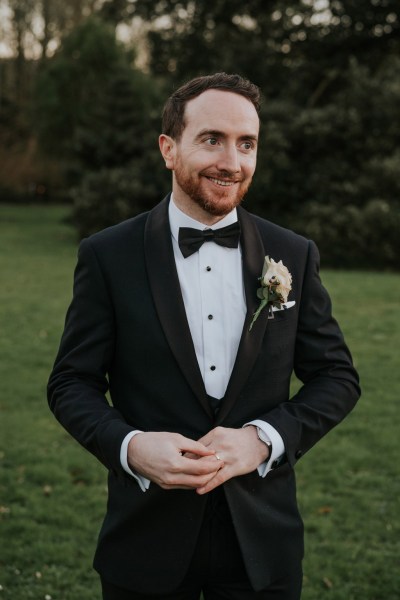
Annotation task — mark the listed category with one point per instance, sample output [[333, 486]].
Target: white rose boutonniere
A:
[[276, 283]]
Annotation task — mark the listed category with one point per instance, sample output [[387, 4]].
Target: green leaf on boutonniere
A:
[[260, 294], [263, 303], [275, 286]]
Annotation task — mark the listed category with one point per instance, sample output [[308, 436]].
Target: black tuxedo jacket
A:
[[126, 331]]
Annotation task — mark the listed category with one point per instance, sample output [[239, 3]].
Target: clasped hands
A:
[[173, 461]]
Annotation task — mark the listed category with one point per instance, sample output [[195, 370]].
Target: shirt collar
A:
[[178, 219]]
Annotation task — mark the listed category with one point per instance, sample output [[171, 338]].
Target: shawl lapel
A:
[[167, 296]]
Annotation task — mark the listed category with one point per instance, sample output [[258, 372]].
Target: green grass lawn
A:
[[53, 494]]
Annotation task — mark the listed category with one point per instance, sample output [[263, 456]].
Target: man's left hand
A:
[[240, 449]]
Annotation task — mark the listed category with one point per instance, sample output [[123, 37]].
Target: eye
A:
[[247, 145], [212, 141]]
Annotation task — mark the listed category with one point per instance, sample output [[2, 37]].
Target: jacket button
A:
[[298, 454]]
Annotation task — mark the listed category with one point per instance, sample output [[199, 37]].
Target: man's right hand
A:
[[160, 457]]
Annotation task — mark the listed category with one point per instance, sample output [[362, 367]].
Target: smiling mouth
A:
[[221, 182]]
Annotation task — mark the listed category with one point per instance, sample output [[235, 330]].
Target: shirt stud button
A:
[[210, 317], [208, 268], [213, 368]]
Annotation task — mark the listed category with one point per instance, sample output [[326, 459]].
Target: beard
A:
[[218, 202]]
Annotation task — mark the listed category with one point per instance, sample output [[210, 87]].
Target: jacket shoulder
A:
[[121, 232], [276, 234]]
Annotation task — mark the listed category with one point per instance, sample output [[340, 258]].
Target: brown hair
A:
[[173, 116]]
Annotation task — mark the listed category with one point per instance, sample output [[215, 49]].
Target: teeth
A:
[[220, 182]]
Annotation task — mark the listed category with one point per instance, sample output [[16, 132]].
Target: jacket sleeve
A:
[[78, 383], [322, 362]]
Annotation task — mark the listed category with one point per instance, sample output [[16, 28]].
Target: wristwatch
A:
[[262, 436]]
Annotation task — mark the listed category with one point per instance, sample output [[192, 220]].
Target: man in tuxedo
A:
[[201, 438]]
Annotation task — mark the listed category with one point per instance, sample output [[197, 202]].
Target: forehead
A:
[[221, 111]]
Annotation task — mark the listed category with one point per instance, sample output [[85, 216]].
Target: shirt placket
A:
[[212, 321]]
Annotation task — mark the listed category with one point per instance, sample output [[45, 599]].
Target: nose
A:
[[228, 160]]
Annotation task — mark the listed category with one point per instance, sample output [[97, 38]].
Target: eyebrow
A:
[[217, 133]]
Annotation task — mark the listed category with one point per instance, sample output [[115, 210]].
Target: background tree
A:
[[328, 71], [30, 31], [101, 117]]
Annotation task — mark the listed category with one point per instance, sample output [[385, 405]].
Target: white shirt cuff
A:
[[143, 482], [277, 445]]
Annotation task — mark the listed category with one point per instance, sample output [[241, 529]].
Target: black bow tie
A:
[[190, 240]]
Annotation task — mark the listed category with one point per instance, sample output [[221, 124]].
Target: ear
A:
[[167, 148]]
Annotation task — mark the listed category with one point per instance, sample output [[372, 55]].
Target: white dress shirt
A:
[[212, 287]]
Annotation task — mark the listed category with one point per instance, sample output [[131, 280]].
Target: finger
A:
[[188, 445], [194, 456], [202, 466], [216, 437], [207, 439], [184, 481], [219, 478], [191, 455]]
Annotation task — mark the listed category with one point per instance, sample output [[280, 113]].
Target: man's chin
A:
[[219, 211], [218, 207]]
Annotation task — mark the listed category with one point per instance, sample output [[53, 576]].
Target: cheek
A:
[[250, 166], [195, 162]]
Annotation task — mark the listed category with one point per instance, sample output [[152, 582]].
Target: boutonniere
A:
[[276, 283]]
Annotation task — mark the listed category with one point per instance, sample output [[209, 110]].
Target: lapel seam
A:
[[170, 308]]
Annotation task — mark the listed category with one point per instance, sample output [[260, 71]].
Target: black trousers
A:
[[217, 569]]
